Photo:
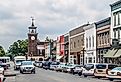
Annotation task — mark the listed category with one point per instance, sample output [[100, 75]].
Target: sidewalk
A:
[[10, 79], [10, 74]]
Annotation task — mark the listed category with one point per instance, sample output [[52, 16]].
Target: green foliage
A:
[[19, 47], [2, 52]]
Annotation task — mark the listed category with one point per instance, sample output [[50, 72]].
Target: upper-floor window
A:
[[114, 19], [71, 45], [74, 44], [89, 41], [93, 41], [106, 37], [119, 33], [114, 33], [117, 18]]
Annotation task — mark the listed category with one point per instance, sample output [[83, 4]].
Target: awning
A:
[[59, 57], [110, 53], [118, 54]]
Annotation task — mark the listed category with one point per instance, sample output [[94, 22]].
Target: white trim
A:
[[76, 35]]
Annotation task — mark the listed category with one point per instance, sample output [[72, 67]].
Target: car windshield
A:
[[117, 68], [89, 66], [112, 66], [26, 63], [101, 66], [55, 63], [18, 61]]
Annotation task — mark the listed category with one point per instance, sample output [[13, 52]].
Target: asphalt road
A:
[[52, 76]]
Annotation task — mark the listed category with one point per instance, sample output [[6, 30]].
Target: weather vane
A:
[[32, 18]]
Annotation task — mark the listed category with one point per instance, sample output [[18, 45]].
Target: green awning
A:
[[110, 53], [118, 54]]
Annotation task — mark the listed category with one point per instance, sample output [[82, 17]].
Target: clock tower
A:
[[32, 40]]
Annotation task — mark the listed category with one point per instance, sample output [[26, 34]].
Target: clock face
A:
[[32, 38]]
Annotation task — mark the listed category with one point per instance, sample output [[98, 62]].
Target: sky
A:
[[52, 17]]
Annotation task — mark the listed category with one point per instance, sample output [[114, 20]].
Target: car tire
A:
[[34, 72], [111, 79], [79, 73], [85, 75], [21, 72]]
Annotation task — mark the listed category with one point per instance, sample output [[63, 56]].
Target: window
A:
[[101, 66], [102, 38], [106, 37], [90, 60], [89, 41], [93, 41], [118, 33], [114, 33], [118, 18], [74, 44], [71, 45], [114, 19]]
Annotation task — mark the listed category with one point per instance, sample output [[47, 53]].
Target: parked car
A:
[[46, 65], [1, 70], [5, 66], [89, 69], [38, 63], [77, 70], [60, 67], [54, 65], [114, 74], [27, 67], [68, 68], [103, 69]]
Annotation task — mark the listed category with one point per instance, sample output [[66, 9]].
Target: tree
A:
[[2, 52], [20, 47]]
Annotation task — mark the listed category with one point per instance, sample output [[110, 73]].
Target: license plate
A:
[[100, 71]]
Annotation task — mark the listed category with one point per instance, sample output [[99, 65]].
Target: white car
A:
[[1, 70], [114, 74], [60, 67], [89, 69], [27, 67]]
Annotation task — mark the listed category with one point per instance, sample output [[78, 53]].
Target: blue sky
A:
[[52, 17]]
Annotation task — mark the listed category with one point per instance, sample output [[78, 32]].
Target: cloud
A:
[[52, 17]]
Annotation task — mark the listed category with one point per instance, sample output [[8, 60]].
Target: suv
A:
[[27, 67]]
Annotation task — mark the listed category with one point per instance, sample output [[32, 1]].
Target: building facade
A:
[[66, 47], [90, 43], [76, 44], [60, 48], [114, 54], [103, 38], [47, 50]]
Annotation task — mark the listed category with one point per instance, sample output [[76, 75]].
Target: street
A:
[[52, 76]]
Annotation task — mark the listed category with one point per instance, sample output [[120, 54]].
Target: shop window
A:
[[90, 60]]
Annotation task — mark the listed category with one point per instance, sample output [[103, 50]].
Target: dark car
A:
[[46, 65]]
